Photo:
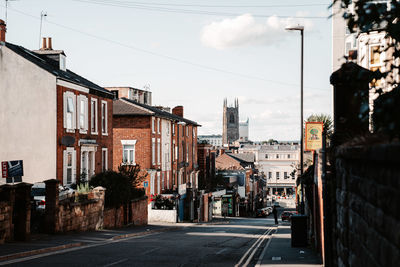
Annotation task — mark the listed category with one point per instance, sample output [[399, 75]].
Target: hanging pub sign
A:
[[313, 140], [12, 171]]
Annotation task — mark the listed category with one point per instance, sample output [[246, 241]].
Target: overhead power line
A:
[[187, 11], [183, 61], [212, 6]]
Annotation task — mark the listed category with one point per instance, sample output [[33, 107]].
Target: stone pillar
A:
[[22, 212], [51, 211], [8, 195], [99, 193]]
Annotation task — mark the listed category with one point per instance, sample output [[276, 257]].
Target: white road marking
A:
[[222, 250], [257, 243], [263, 252], [115, 263]]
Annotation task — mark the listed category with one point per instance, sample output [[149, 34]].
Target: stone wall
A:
[[81, 216], [5, 222], [367, 205], [162, 215]]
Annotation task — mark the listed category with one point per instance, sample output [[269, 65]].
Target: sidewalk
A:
[[278, 251], [43, 243]]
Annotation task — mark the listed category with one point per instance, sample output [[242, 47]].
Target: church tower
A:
[[230, 120]]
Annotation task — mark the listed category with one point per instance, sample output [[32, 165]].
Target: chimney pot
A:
[[3, 30], [49, 45], [44, 44]]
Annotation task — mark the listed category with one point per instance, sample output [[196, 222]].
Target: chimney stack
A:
[[178, 111], [3, 30], [49, 45], [44, 44]]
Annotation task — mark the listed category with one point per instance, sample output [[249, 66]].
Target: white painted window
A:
[[277, 156], [104, 123], [153, 151], [152, 183], [128, 151], [158, 125], [285, 175], [82, 109], [269, 175], [158, 151], [277, 175], [69, 111], [194, 132], [153, 123], [104, 159], [173, 129], [187, 130], [93, 115], [288, 156], [176, 151], [162, 181], [87, 162], [187, 152], [167, 180], [69, 166]]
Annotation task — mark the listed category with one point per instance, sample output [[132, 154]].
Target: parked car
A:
[[38, 193], [286, 216], [264, 212]]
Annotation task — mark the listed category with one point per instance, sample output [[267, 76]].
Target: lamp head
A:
[[295, 28]]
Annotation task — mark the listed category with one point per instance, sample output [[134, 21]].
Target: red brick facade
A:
[[100, 140]]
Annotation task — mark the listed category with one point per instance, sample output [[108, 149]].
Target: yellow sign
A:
[[313, 136]]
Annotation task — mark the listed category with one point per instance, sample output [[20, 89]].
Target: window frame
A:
[[132, 148], [104, 159], [66, 96], [94, 116], [104, 118]]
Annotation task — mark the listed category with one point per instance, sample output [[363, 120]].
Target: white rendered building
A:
[[244, 131], [212, 139]]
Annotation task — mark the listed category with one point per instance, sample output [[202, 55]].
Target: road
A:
[[238, 243]]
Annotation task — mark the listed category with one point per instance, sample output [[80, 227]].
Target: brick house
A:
[[56, 121], [162, 143]]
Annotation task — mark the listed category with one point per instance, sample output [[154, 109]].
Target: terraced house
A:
[[161, 142], [56, 121]]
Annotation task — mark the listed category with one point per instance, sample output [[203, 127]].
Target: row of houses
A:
[[64, 126]]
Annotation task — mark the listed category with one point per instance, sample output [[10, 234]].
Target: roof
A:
[[244, 157], [121, 107], [49, 52], [52, 66], [225, 162], [150, 111]]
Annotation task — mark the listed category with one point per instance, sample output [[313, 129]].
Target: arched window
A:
[[231, 118]]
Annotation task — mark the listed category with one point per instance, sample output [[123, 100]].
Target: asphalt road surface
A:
[[238, 243]]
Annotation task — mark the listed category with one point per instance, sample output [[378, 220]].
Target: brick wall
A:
[[368, 205], [103, 141], [135, 213]]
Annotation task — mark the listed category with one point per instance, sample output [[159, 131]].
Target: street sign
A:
[[12, 170], [4, 169], [145, 184], [313, 140]]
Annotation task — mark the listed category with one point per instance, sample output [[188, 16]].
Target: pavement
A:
[[278, 251]]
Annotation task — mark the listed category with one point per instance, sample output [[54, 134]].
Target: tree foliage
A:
[[121, 186], [326, 119]]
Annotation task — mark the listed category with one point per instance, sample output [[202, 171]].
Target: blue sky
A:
[[194, 54]]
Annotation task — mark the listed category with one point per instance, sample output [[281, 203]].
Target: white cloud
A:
[[245, 30]]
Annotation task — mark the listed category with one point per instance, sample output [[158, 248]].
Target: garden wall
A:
[[6, 227], [368, 205], [161, 215], [133, 213]]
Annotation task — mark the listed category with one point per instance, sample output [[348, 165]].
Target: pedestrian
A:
[[275, 212]]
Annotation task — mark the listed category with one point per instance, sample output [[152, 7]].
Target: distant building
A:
[[137, 95], [276, 162], [212, 139], [244, 130], [230, 123]]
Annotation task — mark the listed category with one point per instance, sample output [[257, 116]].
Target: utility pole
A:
[[42, 15]]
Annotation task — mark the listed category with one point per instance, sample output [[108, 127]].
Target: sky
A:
[[194, 53]]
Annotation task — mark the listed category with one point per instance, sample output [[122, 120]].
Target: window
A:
[[152, 183], [129, 154], [162, 181], [93, 115], [82, 113], [176, 152], [231, 118], [288, 156], [69, 111], [158, 125], [69, 166], [153, 151], [194, 132], [158, 151], [277, 175], [167, 180], [266, 156], [285, 175], [277, 156], [173, 129], [153, 123], [187, 152], [87, 162], [104, 159], [104, 117], [158, 183], [269, 175]]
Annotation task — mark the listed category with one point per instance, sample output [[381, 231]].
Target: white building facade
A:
[[277, 163], [244, 130], [213, 139]]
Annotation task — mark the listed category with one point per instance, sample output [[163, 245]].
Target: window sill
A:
[[131, 164], [105, 134], [83, 132], [70, 130], [94, 133]]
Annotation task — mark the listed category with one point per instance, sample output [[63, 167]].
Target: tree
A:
[[366, 16], [326, 119]]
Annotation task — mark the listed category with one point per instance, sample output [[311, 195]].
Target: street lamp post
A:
[[301, 29]]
